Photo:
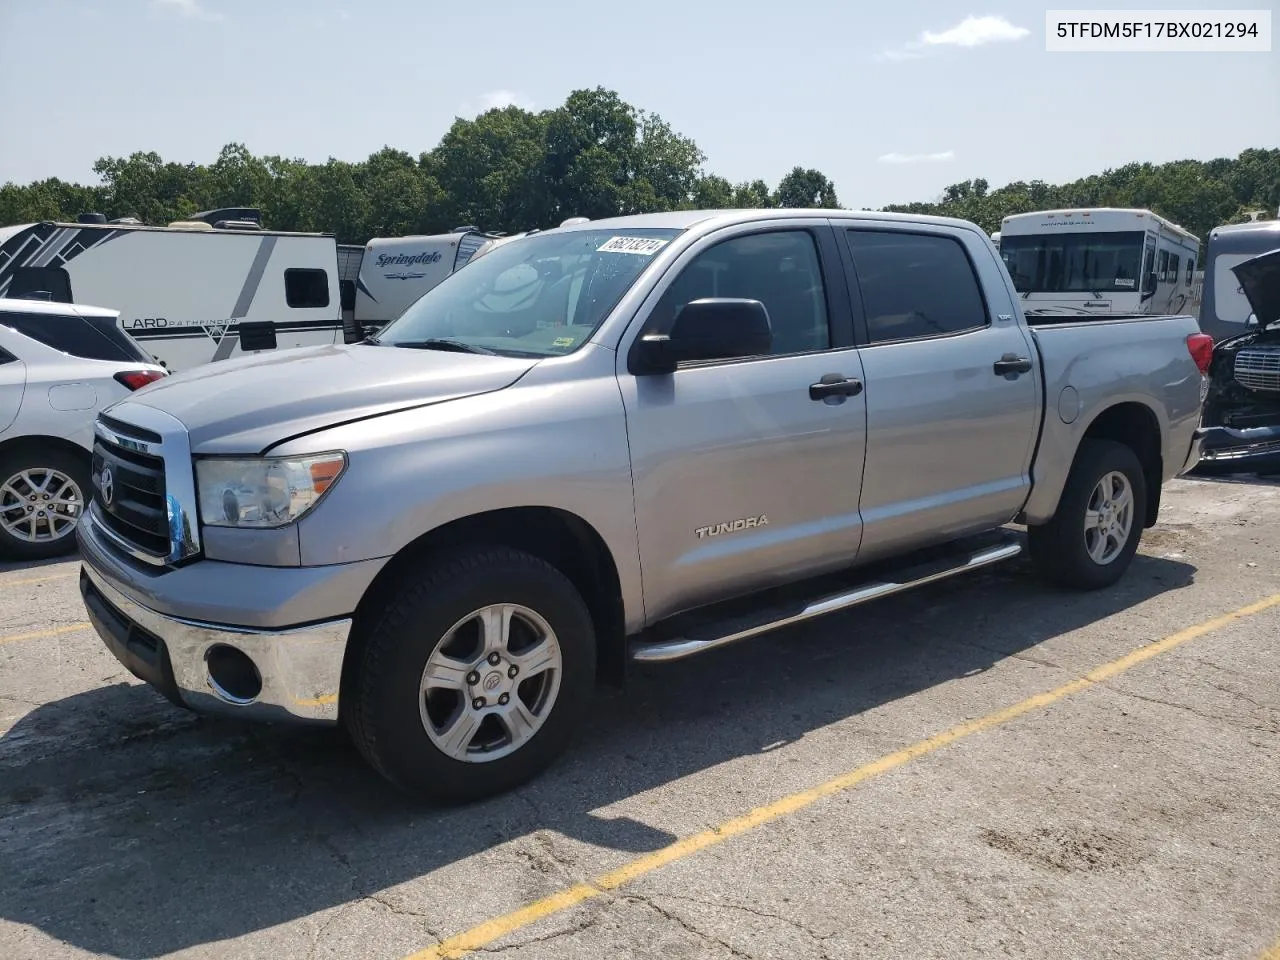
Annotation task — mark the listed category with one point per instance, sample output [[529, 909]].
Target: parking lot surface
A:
[[985, 767]]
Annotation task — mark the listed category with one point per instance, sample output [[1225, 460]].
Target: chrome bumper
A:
[[299, 669]]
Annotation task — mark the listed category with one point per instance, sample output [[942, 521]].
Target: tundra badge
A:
[[733, 526]]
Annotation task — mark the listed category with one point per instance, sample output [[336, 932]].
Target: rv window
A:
[[1175, 267], [73, 335], [1191, 267], [306, 288], [1164, 266], [51, 280], [347, 294]]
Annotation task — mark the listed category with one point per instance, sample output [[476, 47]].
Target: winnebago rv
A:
[[1224, 310], [1101, 261], [207, 288]]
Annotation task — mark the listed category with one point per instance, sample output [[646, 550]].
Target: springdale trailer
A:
[[395, 271], [207, 288], [1101, 261]]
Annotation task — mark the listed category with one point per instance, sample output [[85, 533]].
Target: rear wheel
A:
[[43, 495], [1094, 534], [474, 677]]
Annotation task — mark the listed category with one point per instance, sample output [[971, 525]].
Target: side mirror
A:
[[714, 328]]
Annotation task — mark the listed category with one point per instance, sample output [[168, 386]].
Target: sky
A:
[[892, 102]]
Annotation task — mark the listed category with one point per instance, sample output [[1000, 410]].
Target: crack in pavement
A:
[[1229, 721], [675, 917], [763, 914]]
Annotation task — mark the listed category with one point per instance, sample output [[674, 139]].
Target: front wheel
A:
[[43, 494], [1094, 534], [474, 677]]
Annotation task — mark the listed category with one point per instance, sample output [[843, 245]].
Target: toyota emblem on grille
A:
[[107, 485]]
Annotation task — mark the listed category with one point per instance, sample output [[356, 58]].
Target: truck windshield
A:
[[1074, 262], [538, 296]]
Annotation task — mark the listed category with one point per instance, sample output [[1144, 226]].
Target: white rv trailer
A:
[[1100, 261], [204, 289], [396, 271]]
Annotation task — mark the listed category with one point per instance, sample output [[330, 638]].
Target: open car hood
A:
[[1260, 279]]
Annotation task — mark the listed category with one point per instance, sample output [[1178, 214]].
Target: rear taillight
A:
[[136, 379], [1200, 346]]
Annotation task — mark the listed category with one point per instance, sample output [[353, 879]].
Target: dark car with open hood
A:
[[1240, 426]]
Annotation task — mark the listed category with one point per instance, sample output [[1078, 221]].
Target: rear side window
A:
[[30, 281], [306, 287], [915, 285], [73, 335]]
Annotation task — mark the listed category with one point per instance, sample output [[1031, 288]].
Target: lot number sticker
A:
[[641, 246]]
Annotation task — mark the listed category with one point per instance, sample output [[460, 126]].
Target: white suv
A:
[[60, 364]]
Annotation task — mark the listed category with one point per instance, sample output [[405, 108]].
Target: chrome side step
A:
[[687, 646]]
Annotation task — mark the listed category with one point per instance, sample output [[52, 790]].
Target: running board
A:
[[742, 628]]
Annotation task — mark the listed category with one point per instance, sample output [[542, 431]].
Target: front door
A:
[[951, 388], [742, 479]]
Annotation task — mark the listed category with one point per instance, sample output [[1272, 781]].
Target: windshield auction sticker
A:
[[642, 246]]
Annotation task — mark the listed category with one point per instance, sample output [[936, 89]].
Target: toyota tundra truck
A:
[[633, 439]]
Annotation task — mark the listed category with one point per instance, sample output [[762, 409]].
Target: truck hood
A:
[[251, 403], [1260, 279]]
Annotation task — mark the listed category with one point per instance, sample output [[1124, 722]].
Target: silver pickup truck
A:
[[631, 439]]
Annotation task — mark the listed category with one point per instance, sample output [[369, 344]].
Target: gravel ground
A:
[[1134, 816]]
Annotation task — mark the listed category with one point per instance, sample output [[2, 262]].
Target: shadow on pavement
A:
[[132, 829]]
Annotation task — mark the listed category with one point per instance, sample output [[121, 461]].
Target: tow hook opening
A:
[[233, 676]]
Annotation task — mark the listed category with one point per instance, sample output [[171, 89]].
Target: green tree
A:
[[807, 188]]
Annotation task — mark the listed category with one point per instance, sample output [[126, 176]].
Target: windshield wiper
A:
[[441, 343]]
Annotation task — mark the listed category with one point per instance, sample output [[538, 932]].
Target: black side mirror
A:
[[714, 328]]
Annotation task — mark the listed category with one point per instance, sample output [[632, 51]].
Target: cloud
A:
[[969, 32], [895, 157], [495, 100], [190, 9]]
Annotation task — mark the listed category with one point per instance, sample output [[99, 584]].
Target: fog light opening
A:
[[232, 675]]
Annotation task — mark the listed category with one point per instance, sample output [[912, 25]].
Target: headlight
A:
[[264, 492]]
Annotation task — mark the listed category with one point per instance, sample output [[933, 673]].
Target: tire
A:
[[25, 473], [427, 618], [1060, 548]]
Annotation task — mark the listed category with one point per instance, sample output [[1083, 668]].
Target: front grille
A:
[[1258, 368], [133, 504]]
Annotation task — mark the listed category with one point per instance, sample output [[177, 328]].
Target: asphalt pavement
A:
[[985, 767]]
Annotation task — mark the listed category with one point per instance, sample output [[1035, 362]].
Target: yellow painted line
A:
[[29, 580], [1272, 952], [41, 634], [327, 700], [486, 933]]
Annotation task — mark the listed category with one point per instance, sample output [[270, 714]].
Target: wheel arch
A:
[[1135, 425], [561, 538], [32, 442]]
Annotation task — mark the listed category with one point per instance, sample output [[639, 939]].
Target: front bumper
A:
[[298, 670], [1226, 449]]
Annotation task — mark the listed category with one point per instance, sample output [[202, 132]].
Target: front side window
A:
[[1074, 262], [306, 288], [915, 285], [538, 296], [781, 269]]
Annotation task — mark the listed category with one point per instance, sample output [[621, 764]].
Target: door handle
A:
[[1011, 363], [835, 385]]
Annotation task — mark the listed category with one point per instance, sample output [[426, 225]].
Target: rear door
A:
[[951, 385], [741, 478]]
